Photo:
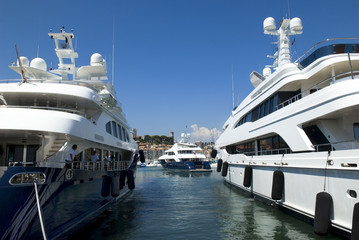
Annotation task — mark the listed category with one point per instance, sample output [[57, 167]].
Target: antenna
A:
[[113, 50], [38, 42], [232, 89], [288, 10]]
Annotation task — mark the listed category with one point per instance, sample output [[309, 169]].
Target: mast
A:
[[64, 50], [287, 27]]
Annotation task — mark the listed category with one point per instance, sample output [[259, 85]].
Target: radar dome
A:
[[24, 61], [267, 71], [38, 63], [296, 24], [269, 24], [96, 59]]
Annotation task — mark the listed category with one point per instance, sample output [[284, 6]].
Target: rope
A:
[[39, 210]]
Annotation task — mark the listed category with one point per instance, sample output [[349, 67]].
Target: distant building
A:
[[134, 133], [154, 145]]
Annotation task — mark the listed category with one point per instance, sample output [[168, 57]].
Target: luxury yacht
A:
[[66, 149], [185, 156], [293, 141]]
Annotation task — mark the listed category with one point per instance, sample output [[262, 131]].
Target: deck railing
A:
[[316, 87], [341, 145], [87, 165], [310, 55]]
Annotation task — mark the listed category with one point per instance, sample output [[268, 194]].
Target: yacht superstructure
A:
[[46, 115], [293, 141]]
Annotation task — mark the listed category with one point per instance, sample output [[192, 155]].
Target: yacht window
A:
[[114, 129], [356, 131], [120, 132], [16, 153], [127, 137], [123, 134], [108, 127]]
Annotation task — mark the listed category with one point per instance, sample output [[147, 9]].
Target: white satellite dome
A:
[[269, 24], [24, 61], [267, 72], [96, 59], [38, 63], [296, 24]]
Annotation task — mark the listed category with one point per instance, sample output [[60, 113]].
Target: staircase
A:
[[53, 146]]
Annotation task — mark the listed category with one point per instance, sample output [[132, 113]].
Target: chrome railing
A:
[[341, 145], [318, 86], [321, 44], [87, 165]]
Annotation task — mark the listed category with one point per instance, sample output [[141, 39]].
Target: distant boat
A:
[[47, 119], [153, 163], [185, 156], [293, 141]]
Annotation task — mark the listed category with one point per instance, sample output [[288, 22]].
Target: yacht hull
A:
[[187, 166], [304, 176], [68, 199]]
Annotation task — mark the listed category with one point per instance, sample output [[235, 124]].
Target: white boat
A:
[[293, 141], [44, 115], [185, 156]]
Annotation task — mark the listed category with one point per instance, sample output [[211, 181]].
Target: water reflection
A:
[[179, 205], [179, 173]]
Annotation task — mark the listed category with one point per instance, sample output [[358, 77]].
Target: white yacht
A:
[[185, 156], [45, 115], [293, 141]]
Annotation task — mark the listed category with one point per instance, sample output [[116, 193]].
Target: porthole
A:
[[27, 178], [352, 194]]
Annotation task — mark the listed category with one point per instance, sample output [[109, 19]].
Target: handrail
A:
[[316, 86], [87, 83], [287, 150], [87, 165], [326, 40]]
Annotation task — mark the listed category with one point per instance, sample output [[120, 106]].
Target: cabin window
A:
[[114, 128], [266, 146], [127, 137], [108, 127], [356, 131], [119, 132], [22, 153], [123, 134]]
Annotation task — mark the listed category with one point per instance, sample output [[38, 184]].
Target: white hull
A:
[[305, 175]]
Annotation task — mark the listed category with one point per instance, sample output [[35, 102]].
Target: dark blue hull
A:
[[187, 166], [68, 198]]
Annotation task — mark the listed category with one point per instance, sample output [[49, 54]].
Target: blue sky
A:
[[173, 58]]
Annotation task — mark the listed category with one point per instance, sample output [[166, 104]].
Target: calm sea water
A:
[[176, 205]]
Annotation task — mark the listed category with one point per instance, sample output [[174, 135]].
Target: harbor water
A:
[[179, 205]]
